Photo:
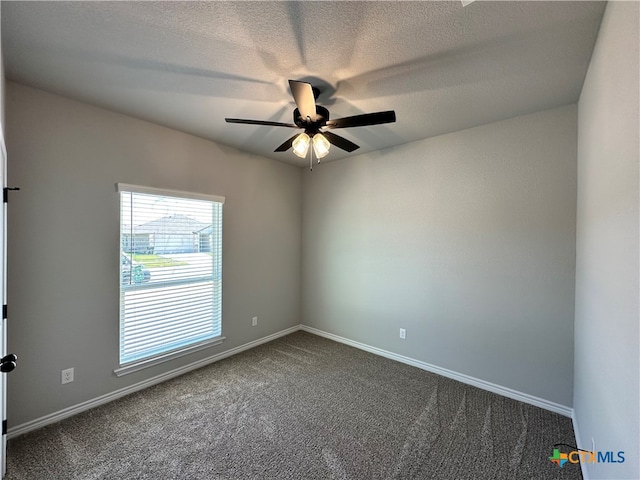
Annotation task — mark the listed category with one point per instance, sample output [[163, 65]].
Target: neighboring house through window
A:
[[170, 274]]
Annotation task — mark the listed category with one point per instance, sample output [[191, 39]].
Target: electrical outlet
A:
[[254, 321], [403, 333], [67, 375]]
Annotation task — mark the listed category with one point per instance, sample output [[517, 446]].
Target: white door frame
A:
[[3, 289]]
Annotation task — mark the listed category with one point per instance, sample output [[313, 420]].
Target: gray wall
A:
[[467, 240], [606, 397], [64, 245]]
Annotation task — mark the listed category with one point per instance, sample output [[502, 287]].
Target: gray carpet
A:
[[300, 407]]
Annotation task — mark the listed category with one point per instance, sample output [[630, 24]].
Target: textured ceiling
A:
[[187, 65]]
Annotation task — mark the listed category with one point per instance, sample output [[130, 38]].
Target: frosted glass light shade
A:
[[320, 145], [301, 145]]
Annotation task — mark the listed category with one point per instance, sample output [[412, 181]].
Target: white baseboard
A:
[[579, 444], [101, 400], [476, 382], [109, 397]]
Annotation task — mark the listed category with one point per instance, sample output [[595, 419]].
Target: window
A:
[[170, 274]]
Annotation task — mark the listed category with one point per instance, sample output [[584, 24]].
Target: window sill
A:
[[157, 360]]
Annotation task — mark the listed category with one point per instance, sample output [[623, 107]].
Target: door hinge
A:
[[5, 193], [4, 312], [4, 427]]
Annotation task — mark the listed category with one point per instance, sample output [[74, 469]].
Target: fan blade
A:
[[260, 122], [303, 95], [340, 142], [363, 120], [286, 145]]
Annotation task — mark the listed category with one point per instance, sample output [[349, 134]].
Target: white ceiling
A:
[[187, 65]]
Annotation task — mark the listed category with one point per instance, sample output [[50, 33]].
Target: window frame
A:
[[161, 357]]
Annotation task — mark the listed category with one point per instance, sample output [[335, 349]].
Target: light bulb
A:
[[301, 145], [320, 145]]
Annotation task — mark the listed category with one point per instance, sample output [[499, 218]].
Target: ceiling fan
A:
[[315, 121]]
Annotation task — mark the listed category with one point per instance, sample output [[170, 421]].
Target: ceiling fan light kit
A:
[[312, 118]]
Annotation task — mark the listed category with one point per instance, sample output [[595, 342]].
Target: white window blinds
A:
[[170, 271]]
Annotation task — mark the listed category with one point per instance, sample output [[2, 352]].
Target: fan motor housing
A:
[[322, 115]]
